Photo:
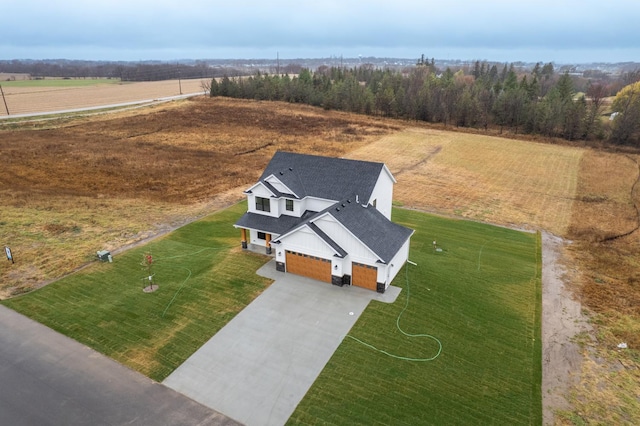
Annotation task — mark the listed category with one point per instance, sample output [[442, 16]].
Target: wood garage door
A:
[[364, 276], [309, 266]]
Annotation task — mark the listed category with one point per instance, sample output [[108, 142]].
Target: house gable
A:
[[306, 239], [356, 249], [278, 188], [382, 194]]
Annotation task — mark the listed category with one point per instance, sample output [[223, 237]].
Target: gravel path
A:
[[562, 319]]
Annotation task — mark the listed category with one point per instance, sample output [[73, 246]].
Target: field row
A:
[[29, 100]]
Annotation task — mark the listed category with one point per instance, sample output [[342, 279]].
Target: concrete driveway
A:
[[48, 379], [260, 365]]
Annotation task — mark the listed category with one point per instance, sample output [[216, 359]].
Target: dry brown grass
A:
[[605, 276], [481, 177], [71, 188]]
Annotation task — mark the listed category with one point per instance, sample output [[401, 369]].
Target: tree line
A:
[[537, 101], [125, 71]]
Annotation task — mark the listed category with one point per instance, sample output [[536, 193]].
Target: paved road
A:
[[49, 379], [259, 366]]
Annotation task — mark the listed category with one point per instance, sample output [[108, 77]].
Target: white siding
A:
[[306, 241], [358, 252], [341, 264], [253, 238], [282, 206], [316, 204], [260, 191], [278, 185], [383, 194], [395, 265]]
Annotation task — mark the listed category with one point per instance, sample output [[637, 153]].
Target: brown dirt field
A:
[[72, 186], [26, 100]]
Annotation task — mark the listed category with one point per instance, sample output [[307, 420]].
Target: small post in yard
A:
[[5, 101], [7, 250]]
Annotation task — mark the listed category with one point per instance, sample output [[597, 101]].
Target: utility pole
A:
[[278, 63], [5, 101], [179, 76]]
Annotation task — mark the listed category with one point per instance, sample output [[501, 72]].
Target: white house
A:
[[327, 219]]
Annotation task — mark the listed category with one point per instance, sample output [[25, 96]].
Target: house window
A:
[[262, 235], [263, 204], [289, 205]]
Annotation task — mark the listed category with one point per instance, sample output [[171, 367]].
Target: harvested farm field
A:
[[76, 94], [74, 185]]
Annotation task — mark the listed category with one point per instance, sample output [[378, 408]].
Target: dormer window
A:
[[263, 204], [289, 205]]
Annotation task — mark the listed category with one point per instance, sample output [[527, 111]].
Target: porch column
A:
[[268, 239], [244, 238]]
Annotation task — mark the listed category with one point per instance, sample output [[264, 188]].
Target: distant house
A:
[[328, 219]]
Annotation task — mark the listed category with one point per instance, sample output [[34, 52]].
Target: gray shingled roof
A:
[[371, 227], [332, 179], [367, 224], [323, 177], [273, 225]]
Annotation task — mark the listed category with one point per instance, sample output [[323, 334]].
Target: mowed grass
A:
[[480, 297], [204, 281]]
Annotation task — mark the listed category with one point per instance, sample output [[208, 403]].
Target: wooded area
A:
[[125, 71], [539, 101]]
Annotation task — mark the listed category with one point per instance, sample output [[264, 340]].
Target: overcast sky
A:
[[562, 31]]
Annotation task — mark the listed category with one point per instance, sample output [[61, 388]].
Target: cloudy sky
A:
[[562, 31]]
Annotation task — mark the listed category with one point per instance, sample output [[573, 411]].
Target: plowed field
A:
[[27, 100]]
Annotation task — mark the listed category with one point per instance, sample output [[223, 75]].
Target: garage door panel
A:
[[364, 276], [309, 266]]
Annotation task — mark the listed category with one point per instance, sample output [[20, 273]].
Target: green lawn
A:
[[59, 82], [480, 297], [199, 267]]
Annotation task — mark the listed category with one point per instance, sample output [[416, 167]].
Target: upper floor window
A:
[[289, 205], [263, 204]]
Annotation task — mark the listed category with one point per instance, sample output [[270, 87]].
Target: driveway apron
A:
[[260, 365]]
